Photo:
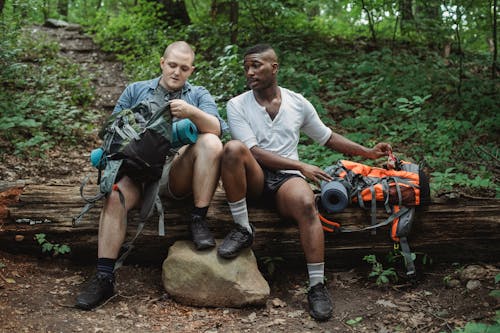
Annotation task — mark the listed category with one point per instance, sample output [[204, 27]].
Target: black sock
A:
[[201, 212], [106, 266]]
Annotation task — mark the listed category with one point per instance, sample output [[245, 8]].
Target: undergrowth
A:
[[43, 95], [403, 94]]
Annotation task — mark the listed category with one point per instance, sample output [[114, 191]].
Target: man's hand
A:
[[381, 149], [314, 173], [181, 109]]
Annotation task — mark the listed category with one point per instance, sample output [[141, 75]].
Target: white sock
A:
[[240, 213], [316, 273]]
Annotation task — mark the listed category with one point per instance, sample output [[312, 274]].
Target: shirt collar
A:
[[155, 82]]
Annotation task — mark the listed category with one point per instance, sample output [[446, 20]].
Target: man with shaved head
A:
[[192, 171], [262, 162]]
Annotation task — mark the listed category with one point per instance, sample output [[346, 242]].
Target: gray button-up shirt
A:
[[194, 95]]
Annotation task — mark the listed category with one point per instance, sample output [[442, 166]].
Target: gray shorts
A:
[[164, 190]]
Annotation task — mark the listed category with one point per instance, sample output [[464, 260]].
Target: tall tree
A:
[[406, 15], [175, 11], [495, 43], [233, 20], [62, 8]]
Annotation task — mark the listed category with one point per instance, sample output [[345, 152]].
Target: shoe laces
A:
[[99, 281], [199, 224], [238, 233], [318, 293]]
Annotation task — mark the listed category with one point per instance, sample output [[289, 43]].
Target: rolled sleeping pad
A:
[[96, 158], [184, 132], [334, 196]]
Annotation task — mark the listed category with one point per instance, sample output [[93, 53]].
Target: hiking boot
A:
[[97, 290], [202, 237], [320, 305], [238, 239]]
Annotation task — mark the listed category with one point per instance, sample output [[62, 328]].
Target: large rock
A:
[[202, 278]]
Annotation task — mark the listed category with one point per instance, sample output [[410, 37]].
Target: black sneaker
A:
[[202, 237], [97, 290], [320, 305], [238, 239]]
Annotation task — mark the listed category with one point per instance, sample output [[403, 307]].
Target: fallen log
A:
[[460, 230]]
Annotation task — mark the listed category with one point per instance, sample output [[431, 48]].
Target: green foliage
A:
[[271, 263], [474, 327], [396, 257], [398, 90], [41, 96], [136, 35], [48, 247], [354, 321], [496, 292], [382, 276]]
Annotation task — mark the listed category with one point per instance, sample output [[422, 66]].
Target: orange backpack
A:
[[399, 190]]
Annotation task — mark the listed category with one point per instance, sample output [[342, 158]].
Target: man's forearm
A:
[[343, 145]]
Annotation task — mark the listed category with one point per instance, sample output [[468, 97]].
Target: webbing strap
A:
[[405, 251], [77, 219], [161, 216], [385, 190], [90, 202], [393, 216], [373, 210], [93, 199], [129, 246]]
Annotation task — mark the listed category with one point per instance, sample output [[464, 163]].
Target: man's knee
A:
[[306, 206], [234, 150], [210, 144]]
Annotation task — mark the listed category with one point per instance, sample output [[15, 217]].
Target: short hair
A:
[[181, 46], [259, 48]]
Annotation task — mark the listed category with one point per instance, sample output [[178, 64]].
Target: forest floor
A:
[[37, 293]]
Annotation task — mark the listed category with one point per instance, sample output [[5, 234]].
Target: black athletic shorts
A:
[[273, 181]]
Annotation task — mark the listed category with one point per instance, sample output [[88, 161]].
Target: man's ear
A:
[[276, 66]]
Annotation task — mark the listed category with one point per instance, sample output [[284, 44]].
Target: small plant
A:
[[355, 321], [48, 247], [270, 263], [383, 276], [496, 292], [395, 255]]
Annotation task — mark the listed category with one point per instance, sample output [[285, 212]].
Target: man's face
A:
[[176, 68], [260, 70]]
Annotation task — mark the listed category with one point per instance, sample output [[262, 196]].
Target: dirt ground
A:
[[37, 293]]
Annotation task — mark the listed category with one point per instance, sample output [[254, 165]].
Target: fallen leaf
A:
[[9, 280]]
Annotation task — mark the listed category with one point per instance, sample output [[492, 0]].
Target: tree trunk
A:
[[371, 23], [233, 20], [446, 231], [2, 3], [62, 8], [406, 14], [495, 42], [175, 12]]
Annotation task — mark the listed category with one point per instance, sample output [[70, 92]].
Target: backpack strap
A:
[[406, 252], [399, 233], [90, 202]]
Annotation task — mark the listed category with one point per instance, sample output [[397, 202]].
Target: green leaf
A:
[[47, 247], [354, 321]]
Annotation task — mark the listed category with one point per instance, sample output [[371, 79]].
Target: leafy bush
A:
[[41, 96]]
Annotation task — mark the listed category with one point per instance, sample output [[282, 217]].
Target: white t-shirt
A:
[[250, 123]]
